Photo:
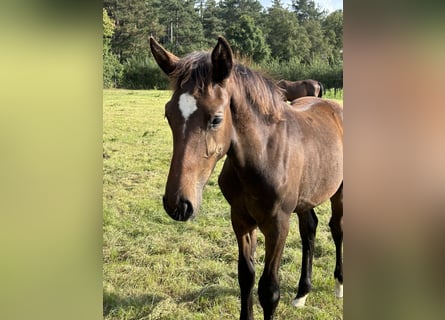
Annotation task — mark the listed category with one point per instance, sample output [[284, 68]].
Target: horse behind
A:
[[302, 88], [280, 160]]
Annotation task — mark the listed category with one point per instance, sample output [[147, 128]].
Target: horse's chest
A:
[[260, 189], [265, 193]]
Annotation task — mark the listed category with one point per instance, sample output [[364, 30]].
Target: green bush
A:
[[143, 73], [112, 70], [331, 76]]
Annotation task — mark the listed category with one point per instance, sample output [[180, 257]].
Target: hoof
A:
[[299, 302], [338, 289]]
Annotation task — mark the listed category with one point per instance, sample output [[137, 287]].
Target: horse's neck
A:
[[251, 135]]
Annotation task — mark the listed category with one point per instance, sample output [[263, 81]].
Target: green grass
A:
[[333, 94], [157, 268]]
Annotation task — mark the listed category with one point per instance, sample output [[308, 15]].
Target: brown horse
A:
[[302, 88], [280, 160]]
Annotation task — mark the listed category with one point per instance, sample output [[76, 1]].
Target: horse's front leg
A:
[[245, 231], [308, 225], [275, 233]]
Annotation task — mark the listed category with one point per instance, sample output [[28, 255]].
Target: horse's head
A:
[[199, 117]]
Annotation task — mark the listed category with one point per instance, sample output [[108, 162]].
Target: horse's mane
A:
[[261, 93]]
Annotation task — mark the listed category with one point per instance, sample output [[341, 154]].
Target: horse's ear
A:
[[222, 61], [166, 60]]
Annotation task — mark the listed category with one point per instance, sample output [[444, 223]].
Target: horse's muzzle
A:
[[183, 210]]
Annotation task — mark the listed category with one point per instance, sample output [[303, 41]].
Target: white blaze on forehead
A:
[[187, 105]]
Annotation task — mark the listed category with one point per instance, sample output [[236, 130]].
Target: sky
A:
[[329, 5]]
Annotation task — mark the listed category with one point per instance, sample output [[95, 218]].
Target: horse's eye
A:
[[216, 121]]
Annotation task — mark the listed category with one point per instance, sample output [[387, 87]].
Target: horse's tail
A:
[[320, 94]]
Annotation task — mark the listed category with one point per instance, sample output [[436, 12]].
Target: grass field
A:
[[157, 268]]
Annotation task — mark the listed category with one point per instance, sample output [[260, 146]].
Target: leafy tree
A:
[[112, 69], [319, 47], [285, 37], [307, 10], [333, 33], [108, 28], [232, 10], [247, 39]]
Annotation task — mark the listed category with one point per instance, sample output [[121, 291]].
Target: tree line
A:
[[295, 42]]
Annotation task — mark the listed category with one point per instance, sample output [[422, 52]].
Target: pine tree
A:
[[211, 22], [183, 25], [135, 21]]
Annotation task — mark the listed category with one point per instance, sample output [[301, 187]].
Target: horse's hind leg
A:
[[308, 222], [336, 225]]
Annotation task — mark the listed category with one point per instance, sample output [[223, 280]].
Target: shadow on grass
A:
[[113, 302], [210, 292]]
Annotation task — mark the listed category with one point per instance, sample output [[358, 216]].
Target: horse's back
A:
[[322, 107], [293, 89], [319, 122]]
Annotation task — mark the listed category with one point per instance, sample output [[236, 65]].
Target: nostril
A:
[[181, 211], [186, 208]]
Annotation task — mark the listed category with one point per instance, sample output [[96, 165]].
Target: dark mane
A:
[[193, 72], [261, 92]]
